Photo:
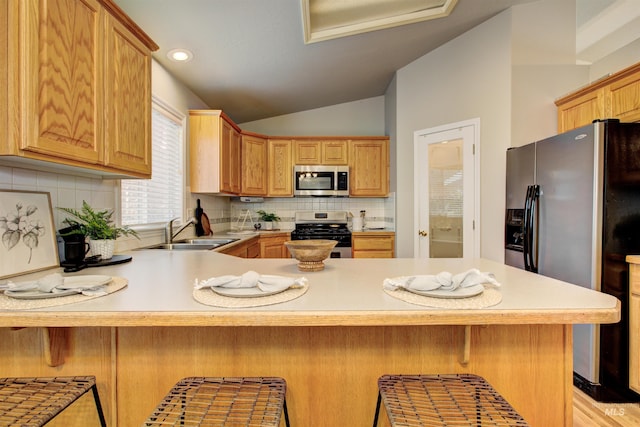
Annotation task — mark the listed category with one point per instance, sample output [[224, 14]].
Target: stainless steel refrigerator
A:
[[573, 213]]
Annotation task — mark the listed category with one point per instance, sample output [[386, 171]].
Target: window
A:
[[146, 201]]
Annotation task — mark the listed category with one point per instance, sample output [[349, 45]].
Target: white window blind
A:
[[445, 192], [146, 201]]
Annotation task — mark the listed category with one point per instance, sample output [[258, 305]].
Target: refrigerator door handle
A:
[[525, 229], [533, 227]]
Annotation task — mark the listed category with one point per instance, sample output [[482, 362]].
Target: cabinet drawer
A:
[[372, 243], [372, 254]]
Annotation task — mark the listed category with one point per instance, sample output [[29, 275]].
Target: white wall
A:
[[363, 118], [468, 77]]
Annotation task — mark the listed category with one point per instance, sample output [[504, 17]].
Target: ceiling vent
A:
[[330, 19]]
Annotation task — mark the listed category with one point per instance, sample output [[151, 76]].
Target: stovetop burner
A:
[[312, 225]]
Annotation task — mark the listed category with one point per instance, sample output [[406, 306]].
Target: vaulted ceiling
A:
[[250, 58]]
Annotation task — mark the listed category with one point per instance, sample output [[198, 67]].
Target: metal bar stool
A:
[[28, 402], [443, 400], [223, 401]]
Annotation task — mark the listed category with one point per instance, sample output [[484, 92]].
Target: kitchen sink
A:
[[193, 244]]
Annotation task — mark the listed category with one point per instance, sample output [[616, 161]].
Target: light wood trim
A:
[[56, 345], [466, 346], [320, 318], [119, 14]]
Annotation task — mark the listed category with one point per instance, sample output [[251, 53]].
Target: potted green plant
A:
[[268, 219], [98, 226]]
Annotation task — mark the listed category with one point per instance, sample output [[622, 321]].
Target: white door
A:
[[446, 169]]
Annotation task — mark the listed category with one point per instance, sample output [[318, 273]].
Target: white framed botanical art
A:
[[27, 235]]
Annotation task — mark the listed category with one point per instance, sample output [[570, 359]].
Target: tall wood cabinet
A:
[[76, 87], [254, 164], [615, 97], [280, 170], [214, 153], [369, 167]]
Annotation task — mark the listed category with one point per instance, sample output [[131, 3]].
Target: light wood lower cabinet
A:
[[272, 246], [372, 244], [75, 90], [634, 323], [247, 249]]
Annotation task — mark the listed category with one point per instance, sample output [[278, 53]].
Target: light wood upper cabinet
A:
[[77, 79], [581, 110], [280, 159], [369, 167], [254, 165], [624, 94], [128, 83], [616, 97], [214, 153], [321, 152]]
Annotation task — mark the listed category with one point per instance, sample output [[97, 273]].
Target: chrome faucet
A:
[[168, 231]]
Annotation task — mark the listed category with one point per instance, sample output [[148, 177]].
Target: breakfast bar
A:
[[331, 342]]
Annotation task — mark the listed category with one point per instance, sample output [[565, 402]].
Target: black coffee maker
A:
[[75, 248]]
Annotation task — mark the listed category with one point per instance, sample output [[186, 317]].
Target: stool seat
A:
[[443, 400], [33, 401], [223, 401]]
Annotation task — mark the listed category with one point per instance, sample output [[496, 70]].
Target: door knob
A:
[[423, 233]]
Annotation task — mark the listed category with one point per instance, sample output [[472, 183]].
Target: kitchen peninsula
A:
[[330, 344]]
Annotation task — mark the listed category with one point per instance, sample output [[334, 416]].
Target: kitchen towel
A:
[[251, 279], [441, 281], [56, 283]]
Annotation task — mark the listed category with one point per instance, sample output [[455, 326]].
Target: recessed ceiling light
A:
[[180, 55]]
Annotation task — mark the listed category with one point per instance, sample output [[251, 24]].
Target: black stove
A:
[[322, 225]]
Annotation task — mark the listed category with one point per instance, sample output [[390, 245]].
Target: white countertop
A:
[[346, 292]]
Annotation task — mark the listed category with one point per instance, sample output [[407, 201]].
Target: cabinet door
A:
[[236, 171], [280, 181], [254, 165], [128, 95], [581, 111], [62, 92], [625, 98], [273, 247], [369, 168], [372, 246], [308, 153], [334, 152], [227, 140]]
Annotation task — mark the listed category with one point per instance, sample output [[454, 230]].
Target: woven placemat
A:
[[8, 303], [489, 297], [207, 296]]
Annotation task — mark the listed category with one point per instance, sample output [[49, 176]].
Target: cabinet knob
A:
[[423, 233]]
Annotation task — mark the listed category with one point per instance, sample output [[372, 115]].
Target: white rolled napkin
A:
[[441, 281], [55, 283], [251, 279]]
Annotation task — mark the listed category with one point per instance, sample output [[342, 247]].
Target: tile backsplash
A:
[[66, 190], [223, 212]]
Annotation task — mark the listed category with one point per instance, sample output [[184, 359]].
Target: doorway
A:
[[446, 199]]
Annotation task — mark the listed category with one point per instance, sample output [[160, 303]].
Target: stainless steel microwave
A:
[[321, 181]]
